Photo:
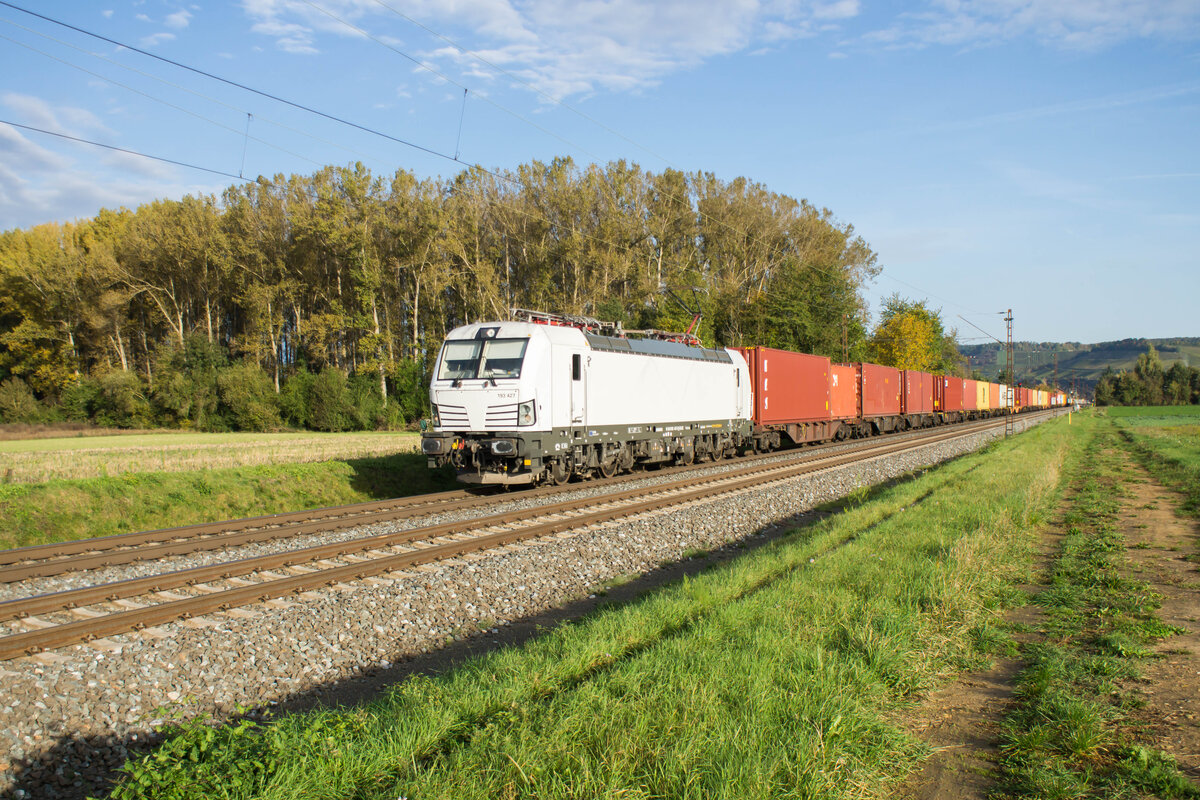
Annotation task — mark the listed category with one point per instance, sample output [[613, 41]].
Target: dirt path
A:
[[962, 721], [1163, 552]]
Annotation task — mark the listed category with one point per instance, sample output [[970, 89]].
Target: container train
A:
[[547, 398]]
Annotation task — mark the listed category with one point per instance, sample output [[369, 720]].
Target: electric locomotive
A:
[[548, 397]]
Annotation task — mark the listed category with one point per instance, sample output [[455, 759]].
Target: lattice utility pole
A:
[[1009, 427]]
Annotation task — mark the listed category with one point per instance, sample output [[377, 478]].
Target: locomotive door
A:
[[578, 389]]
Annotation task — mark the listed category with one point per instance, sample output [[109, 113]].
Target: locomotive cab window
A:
[[490, 358], [576, 367]]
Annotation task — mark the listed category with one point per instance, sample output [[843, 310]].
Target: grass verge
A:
[[1068, 735], [774, 675], [63, 510]]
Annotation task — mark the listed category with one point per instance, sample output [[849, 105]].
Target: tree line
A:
[[320, 300], [1149, 384]]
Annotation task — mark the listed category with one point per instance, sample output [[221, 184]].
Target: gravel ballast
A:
[[69, 717]]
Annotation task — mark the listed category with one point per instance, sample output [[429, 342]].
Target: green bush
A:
[[17, 403], [248, 398], [294, 398], [411, 389], [185, 384], [80, 400], [121, 401], [330, 406]]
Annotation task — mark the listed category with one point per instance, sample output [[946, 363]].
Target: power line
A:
[[122, 150], [166, 103], [235, 84], [189, 90]]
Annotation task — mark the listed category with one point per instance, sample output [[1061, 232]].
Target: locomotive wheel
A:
[[559, 474]]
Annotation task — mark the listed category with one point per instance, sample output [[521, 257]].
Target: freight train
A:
[[547, 398]]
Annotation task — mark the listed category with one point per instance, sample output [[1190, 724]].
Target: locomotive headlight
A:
[[525, 414], [437, 419]]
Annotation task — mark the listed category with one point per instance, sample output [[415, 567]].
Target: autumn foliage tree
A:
[[163, 314], [911, 336]]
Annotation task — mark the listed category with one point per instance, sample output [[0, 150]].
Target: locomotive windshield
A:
[[487, 358]]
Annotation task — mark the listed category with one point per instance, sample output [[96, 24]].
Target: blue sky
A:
[[1035, 154]]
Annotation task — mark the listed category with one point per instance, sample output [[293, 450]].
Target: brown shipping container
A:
[[970, 395], [880, 390], [953, 392], [917, 397], [788, 387], [994, 398], [843, 391]]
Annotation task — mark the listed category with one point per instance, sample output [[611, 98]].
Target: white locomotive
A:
[[548, 397]]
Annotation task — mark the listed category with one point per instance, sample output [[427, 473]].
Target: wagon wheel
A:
[[608, 468], [686, 457]]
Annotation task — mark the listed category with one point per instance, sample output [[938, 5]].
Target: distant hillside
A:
[[1083, 363]]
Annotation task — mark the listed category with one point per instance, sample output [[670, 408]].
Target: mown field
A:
[[779, 674], [37, 460]]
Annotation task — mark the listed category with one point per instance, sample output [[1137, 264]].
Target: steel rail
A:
[[15, 645], [19, 564]]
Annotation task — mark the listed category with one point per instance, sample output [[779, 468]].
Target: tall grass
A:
[[775, 675]]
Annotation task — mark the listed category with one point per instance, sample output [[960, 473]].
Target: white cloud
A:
[[107, 13], [142, 18], [566, 47], [179, 20], [156, 39], [35, 111], [1072, 24]]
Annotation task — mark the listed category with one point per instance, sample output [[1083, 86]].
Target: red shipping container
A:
[[953, 392], [970, 395], [788, 387], [843, 391], [880, 390], [917, 397]]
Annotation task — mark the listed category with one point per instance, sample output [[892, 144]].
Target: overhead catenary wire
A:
[[168, 104], [191, 91], [235, 84], [121, 149]]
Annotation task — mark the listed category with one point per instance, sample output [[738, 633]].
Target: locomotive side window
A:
[[490, 358], [576, 367]]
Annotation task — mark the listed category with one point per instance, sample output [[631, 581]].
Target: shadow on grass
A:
[[75, 766], [399, 475]]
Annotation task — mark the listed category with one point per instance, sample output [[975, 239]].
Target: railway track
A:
[[39, 561], [57, 619]]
